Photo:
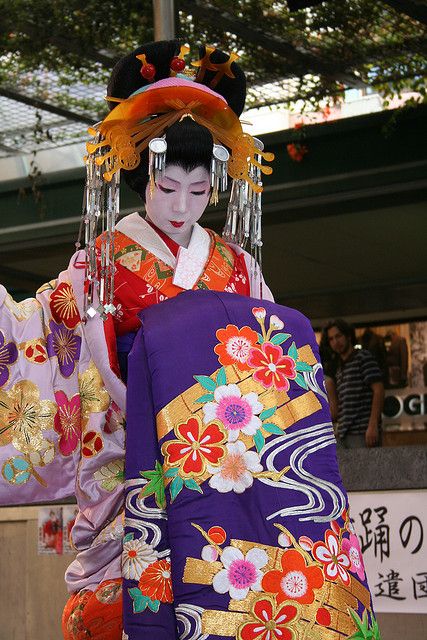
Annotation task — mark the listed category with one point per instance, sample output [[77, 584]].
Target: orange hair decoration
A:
[[129, 127]]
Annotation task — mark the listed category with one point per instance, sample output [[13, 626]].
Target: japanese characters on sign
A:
[[392, 529]]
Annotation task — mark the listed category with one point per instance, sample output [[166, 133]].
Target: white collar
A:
[[190, 262], [136, 228]]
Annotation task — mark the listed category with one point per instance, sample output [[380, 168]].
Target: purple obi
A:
[[237, 523]]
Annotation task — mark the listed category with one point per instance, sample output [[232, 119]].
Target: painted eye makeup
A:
[[165, 189], [198, 193]]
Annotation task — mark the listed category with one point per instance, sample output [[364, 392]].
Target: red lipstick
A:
[[176, 224]]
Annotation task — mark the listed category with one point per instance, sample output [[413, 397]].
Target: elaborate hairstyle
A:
[[189, 144]]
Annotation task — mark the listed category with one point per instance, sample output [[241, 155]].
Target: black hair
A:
[[330, 359], [189, 143]]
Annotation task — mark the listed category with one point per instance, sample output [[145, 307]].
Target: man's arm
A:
[[372, 432]]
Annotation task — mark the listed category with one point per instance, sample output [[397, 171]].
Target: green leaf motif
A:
[[303, 366], [208, 397], [192, 484], [206, 382], [279, 338], [155, 487], [267, 413], [272, 428], [175, 487], [140, 602], [300, 381], [293, 352], [260, 338], [259, 440], [221, 378], [171, 473], [128, 537]]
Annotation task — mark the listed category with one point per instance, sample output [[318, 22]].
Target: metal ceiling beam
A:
[[268, 41], [44, 106], [413, 8], [67, 44]]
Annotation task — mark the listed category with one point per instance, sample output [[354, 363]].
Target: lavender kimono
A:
[[237, 523]]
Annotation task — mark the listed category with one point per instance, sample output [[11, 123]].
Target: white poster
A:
[[392, 529]]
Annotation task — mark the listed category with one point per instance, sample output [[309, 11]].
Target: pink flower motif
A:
[[236, 412], [273, 368], [335, 561], [67, 422], [352, 548], [241, 573]]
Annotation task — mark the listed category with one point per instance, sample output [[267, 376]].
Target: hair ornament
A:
[[177, 64], [219, 165], [148, 71], [222, 68], [156, 161]]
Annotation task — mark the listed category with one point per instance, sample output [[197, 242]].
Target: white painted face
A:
[[178, 201]]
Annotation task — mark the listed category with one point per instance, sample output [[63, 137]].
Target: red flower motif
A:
[[273, 368], [235, 345], [296, 580], [155, 582], [335, 561], [271, 622], [196, 446], [67, 422], [63, 306]]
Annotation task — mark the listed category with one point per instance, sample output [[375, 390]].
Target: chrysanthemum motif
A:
[[136, 557], [156, 582], [235, 472], [236, 412], [241, 574]]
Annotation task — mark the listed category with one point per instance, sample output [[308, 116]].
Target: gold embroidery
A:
[[224, 623], [93, 394], [289, 411], [23, 417], [199, 571], [22, 310]]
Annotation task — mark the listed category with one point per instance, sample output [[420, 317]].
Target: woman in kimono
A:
[[63, 367], [236, 522]]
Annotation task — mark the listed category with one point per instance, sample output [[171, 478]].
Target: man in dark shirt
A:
[[359, 388]]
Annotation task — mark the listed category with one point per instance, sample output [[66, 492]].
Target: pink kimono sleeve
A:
[[40, 423]]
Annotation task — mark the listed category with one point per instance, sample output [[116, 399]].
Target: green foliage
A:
[[367, 40]]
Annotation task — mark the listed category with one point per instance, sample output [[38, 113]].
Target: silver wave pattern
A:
[[307, 441], [150, 532], [189, 618]]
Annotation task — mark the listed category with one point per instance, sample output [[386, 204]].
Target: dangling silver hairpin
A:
[[156, 161], [243, 221], [219, 167]]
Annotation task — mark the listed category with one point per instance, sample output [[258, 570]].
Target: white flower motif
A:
[[136, 557], [276, 323], [241, 573], [235, 471], [236, 412]]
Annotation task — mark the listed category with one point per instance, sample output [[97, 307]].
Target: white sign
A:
[[392, 529]]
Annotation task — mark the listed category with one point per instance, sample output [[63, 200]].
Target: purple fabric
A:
[[176, 343]]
